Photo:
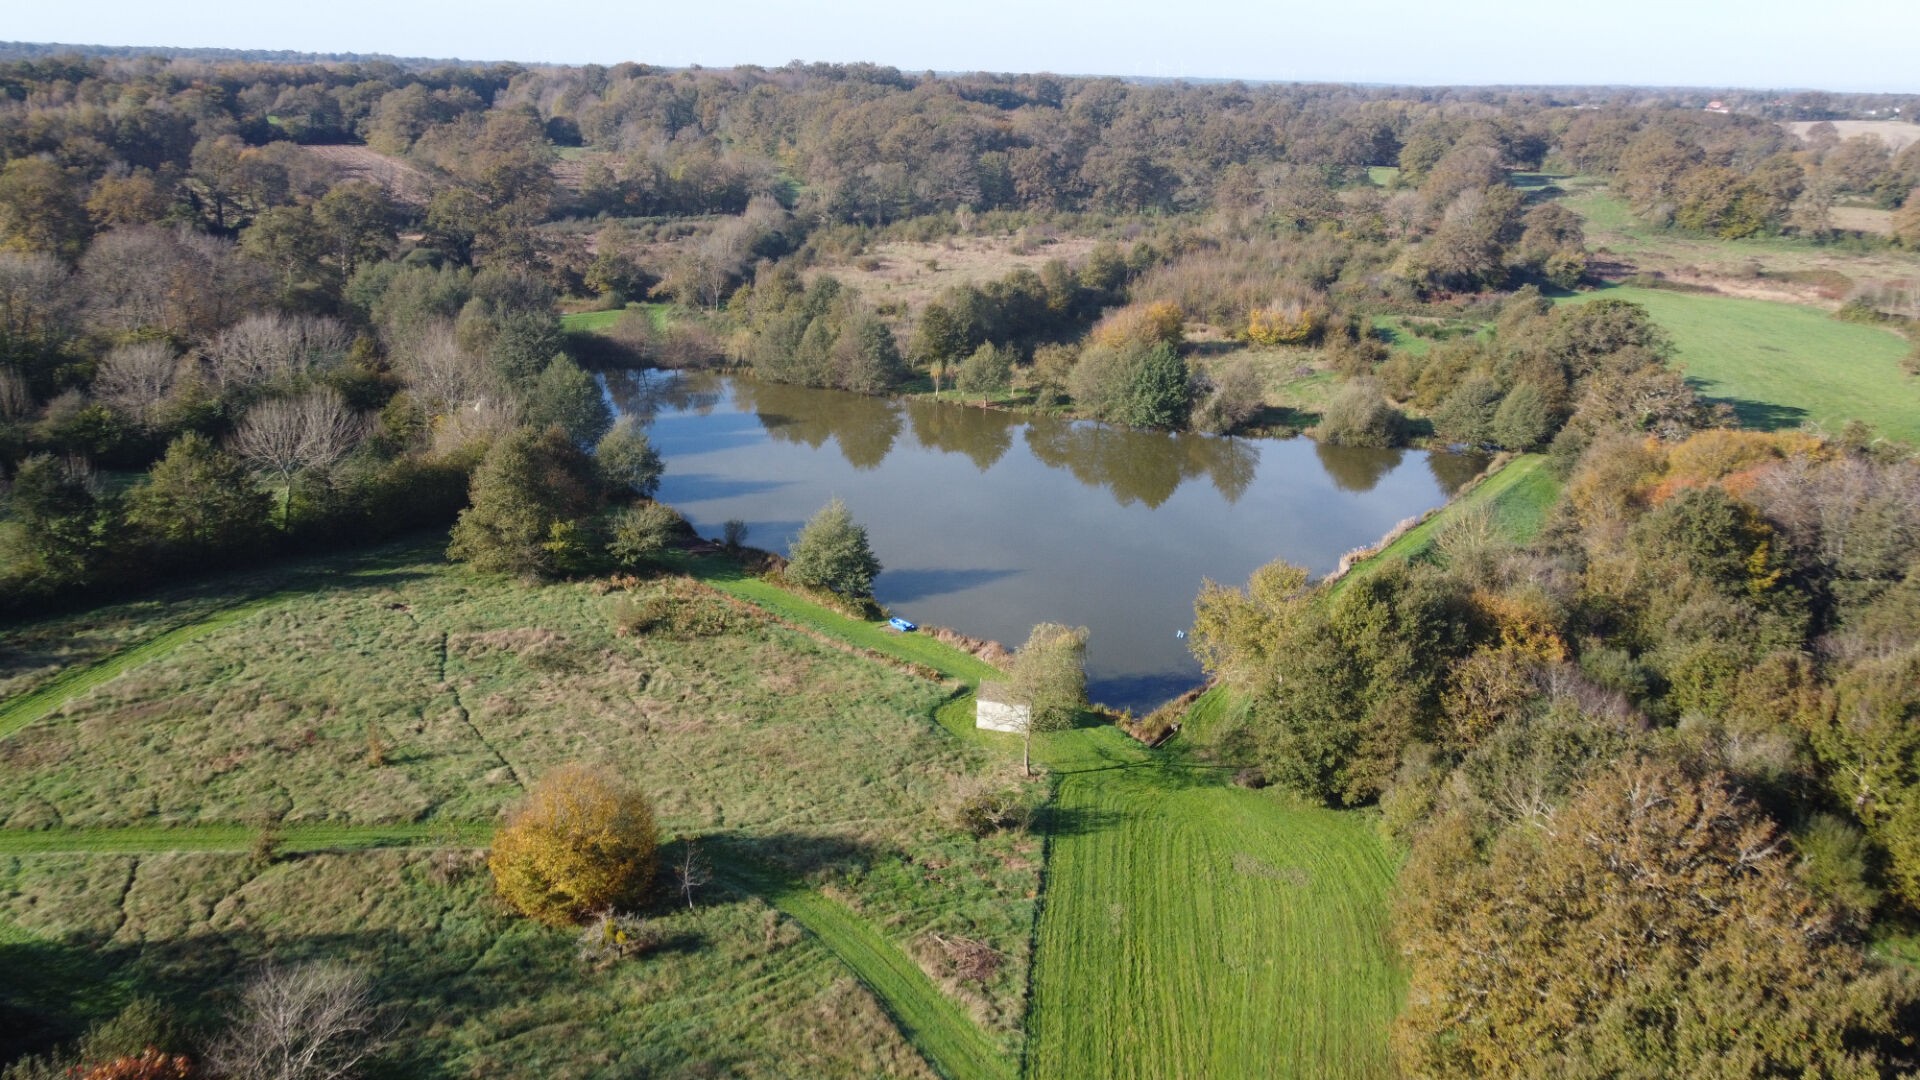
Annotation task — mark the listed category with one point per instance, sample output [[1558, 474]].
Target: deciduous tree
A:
[[313, 1021], [288, 437], [1653, 926], [582, 841], [627, 461], [1049, 675], [831, 552]]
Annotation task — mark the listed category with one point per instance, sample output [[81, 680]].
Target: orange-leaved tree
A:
[[582, 841]]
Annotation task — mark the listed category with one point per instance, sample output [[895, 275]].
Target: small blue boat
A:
[[901, 624]]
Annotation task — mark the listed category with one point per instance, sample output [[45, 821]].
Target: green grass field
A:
[[1783, 365], [601, 321], [1193, 929]]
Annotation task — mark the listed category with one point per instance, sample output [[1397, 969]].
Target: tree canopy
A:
[[832, 553]]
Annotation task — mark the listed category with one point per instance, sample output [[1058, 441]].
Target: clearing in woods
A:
[[1785, 365], [909, 273]]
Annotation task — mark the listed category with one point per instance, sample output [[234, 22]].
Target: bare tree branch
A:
[[289, 436], [314, 1021], [135, 379], [261, 348]]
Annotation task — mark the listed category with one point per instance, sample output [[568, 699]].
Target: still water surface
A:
[[988, 522]]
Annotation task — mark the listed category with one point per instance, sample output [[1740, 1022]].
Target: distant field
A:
[[1864, 219], [1786, 365], [401, 181], [911, 274], [1897, 134], [602, 321], [1770, 267]]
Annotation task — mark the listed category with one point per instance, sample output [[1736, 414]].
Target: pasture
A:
[[376, 728], [380, 716], [1785, 365], [1764, 267]]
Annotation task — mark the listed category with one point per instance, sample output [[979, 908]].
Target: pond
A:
[[988, 522]]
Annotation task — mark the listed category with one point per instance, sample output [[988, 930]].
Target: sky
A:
[[1833, 45]]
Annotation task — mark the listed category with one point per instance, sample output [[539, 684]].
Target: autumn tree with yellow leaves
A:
[[583, 841]]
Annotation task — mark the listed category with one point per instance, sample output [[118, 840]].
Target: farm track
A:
[[293, 839], [951, 1042], [68, 685]]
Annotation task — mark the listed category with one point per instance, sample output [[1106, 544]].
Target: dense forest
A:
[[1658, 771]]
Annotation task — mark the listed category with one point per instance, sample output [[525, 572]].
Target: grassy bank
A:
[[1516, 498]]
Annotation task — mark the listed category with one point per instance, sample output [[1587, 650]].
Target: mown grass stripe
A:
[[230, 837], [913, 648], [1193, 929], [30, 708], [950, 1041]]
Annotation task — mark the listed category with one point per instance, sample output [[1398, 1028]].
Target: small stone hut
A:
[[997, 708]]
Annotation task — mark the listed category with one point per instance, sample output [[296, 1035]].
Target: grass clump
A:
[[978, 806]]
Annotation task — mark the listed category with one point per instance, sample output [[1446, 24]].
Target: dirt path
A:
[[29, 708], [953, 1044]]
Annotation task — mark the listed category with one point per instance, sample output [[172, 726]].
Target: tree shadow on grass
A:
[[797, 853], [1058, 821], [55, 989], [49, 652], [1760, 415]]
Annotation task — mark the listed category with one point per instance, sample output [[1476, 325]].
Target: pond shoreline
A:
[[989, 521]]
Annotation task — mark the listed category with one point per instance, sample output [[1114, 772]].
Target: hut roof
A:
[[1000, 693]]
